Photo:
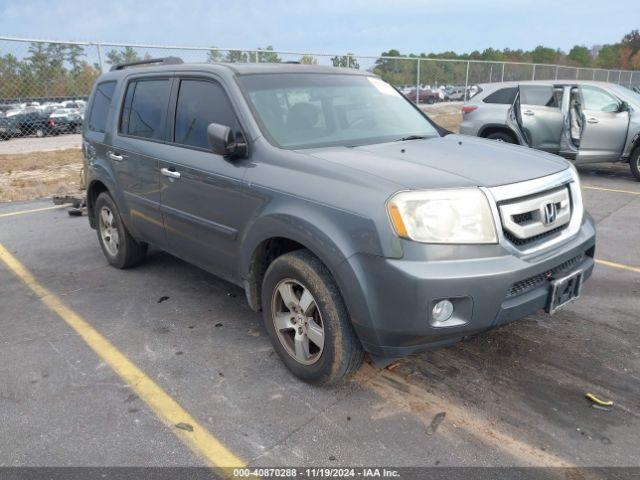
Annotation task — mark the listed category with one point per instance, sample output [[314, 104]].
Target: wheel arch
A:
[[490, 128]]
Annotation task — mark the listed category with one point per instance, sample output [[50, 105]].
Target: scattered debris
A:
[[435, 423], [595, 406], [164, 298], [231, 294], [332, 458], [393, 366], [179, 352], [218, 324], [253, 332], [184, 426], [598, 401]]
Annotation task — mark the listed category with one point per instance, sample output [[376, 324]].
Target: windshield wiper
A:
[[412, 137]]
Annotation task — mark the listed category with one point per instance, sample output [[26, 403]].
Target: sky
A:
[[365, 27]]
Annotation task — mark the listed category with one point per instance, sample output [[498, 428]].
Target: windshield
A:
[[317, 110], [628, 94]]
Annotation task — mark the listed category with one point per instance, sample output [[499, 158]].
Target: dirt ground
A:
[[447, 115], [39, 174], [27, 176]]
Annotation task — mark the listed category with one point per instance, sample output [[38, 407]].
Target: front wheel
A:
[[118, 246], [307, 321], [634, 163]]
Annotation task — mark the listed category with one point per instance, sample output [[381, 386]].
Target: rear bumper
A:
[[399, 295]]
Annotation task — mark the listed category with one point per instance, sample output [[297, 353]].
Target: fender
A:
[[331, 234]]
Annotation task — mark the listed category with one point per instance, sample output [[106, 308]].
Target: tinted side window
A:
[[199, 104], [100, 107], [144, 108], [538, 95], [504, 96], [597, 99]]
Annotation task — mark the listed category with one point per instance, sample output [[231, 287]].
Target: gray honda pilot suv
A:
[[351, 221]]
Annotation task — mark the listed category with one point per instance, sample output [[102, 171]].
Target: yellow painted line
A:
[[22, 212], [166, 408], [621, 266], [630, 192]]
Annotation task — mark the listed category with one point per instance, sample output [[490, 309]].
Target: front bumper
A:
[[390, 300]]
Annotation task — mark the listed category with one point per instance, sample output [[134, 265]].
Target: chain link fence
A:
[[44, 85]]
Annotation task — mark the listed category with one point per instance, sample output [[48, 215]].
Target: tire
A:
[[118, 246], [634, 162], [501, 137], [341, 353], [431, 100], [40, 133]]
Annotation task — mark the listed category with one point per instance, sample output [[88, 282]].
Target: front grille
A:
[[521, 242], [535, 281], [535, 218]]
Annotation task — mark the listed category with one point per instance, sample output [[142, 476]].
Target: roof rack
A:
[[161, 61]]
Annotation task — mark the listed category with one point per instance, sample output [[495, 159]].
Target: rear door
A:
[[604, 126], [204, 204], [135, 149], [540, 116]]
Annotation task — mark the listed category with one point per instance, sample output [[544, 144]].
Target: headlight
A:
[[461, 216]]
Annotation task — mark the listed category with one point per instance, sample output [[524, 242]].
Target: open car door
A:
[[514, 120], [605, 123], [538, 116], [572, 122]]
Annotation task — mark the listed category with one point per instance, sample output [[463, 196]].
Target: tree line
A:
[[51, 70]]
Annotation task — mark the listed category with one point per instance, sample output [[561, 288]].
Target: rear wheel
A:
[[307, 321], [501, 137], [634, 163], [39, 132], [118, 246]]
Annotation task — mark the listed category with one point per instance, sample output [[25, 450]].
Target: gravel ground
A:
[[34, 144]]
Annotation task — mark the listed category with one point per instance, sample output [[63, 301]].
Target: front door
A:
[[203, 201], [604, 126]]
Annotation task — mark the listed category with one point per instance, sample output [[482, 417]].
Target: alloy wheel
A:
[[109, 231], [297, 321]]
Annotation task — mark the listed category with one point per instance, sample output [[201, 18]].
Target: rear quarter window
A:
[[504, 96], [100, 108]]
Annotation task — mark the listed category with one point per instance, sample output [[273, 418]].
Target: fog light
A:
[[442, 311]]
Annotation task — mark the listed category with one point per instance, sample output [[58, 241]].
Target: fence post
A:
[[577, 73], [630, 79], [418, 83], [502, 76], [556, 72], [619, 75], [593, 72], [99, 56], [466, 81], [533, 73], [348, 61], [256, 57], [608, 72]]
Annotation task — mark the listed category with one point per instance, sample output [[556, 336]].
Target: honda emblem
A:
[[549, 213]]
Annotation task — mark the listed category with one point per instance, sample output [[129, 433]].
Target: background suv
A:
[[351, 221], [587, 122]]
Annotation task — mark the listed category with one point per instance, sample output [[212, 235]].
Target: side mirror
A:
[[624, 107], [222, 141]]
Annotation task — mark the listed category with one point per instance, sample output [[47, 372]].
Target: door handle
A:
[[115, 158], [170, 173], [593, 120], [528, 112]]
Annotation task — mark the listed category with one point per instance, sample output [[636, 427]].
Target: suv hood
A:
[[441, 162]]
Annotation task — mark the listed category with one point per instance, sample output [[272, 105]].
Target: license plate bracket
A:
[[564, 290]]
